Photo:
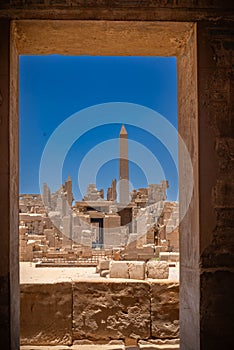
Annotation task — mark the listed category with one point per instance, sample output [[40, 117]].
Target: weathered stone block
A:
[[38, 347], [169, 256], [127, 269], [46, 311], [136, 270], [165, 310], [99, 347], [85, 344], [160, 342], [157, 269], [111, 310], [103, 265], [119, 269], [159, 347]]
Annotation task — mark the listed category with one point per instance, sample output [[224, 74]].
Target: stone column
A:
[[9, 247]]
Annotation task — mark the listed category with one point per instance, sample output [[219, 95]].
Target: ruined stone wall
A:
[[99, 311], [148, 217]]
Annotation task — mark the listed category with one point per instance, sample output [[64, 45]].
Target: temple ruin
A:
[[200, 34], [139, 226]]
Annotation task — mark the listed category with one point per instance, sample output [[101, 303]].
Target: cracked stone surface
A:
[[111, 310], [165, 310], [157, 269], [88, 311], [46, 314]]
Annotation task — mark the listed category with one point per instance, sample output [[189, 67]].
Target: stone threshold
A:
[[103, 347], [119, 345]]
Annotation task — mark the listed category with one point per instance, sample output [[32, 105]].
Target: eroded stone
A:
[[103, 265], [157, 269], [165, 310], [119, 269], [111, 310], [136, 270], [46, 311]]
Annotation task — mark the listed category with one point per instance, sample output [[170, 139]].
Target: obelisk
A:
[[123, 167]]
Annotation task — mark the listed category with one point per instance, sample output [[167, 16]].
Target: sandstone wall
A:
[[100, 311]]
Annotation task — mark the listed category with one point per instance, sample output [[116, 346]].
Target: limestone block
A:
[[103, 265], [127, 269], [38, 347], [119, 269], [46, 311], [111, 310], [165, 310], [157, 269], [131, 344], [82, 342], [159, 347], [136, 270], [174, 341], [170, 256], [85, 344], [98, 347]]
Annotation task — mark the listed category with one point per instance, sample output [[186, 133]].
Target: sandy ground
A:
[[31, 274]]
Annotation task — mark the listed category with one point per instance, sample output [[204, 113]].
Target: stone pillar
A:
[[189, 226], [205, 81], [123, 167], [68, 189], [216, 183], [46, 197], [9, 247]]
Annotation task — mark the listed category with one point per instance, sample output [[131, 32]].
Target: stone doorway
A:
[[101, 38], [200, 54]]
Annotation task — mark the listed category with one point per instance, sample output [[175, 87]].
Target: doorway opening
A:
[[186, 36], [57, 213]]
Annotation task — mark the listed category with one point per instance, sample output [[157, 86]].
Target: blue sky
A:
[[52, 88]]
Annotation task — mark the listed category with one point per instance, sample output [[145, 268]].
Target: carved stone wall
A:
[[216, 159]]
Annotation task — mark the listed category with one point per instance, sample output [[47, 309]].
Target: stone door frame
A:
[[198, 61]]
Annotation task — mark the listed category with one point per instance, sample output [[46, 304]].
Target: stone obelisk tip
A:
[[123, 130]]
